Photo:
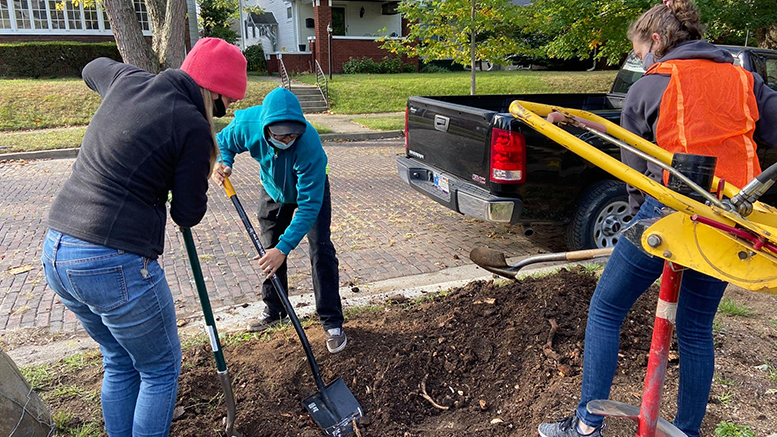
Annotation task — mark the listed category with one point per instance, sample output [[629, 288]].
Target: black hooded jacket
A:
[[148, 137]]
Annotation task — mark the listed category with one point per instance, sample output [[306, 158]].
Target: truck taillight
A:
[[508, 157], [407, 139]]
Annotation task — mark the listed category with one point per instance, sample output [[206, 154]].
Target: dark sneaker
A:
[[264, 322], [566, 428], [335, 340]]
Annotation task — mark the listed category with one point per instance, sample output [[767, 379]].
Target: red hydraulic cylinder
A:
[[666, 310]]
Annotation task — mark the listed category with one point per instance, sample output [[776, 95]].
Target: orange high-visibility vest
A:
[[709, 108]]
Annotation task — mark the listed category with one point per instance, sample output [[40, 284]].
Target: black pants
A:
[[274, 218]]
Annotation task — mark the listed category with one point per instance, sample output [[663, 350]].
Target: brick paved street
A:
[[381, 227]]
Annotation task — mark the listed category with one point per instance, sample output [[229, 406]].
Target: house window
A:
[[5, 16], [140, 10], [106, 22], [57, 16], [40, 15], [73, 15], [22, 12], [91, 17], [288, 12]]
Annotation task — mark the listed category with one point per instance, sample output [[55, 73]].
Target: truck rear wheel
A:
[[601, 213]]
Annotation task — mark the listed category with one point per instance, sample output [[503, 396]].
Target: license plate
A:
[[441, 183]]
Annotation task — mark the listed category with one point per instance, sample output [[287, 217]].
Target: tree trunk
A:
[[472, 51], [767, 37], [169, 29], [129, 37]]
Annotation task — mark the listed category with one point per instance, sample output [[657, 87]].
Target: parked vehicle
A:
[[470, 155]]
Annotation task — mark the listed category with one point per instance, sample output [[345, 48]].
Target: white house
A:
[[43, 20], [292, 29]]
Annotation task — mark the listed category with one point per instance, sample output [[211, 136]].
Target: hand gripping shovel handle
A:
[[210, 324], [277, 284]]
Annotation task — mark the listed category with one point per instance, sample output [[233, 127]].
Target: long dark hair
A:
[[676, 22]]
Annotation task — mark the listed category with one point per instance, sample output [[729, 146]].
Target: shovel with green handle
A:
[[210, 326]]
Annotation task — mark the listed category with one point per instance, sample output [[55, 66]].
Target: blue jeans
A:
[[274, 218], [124, 303], [628, 273]]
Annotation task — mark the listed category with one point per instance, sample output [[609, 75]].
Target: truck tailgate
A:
[[449, 136]]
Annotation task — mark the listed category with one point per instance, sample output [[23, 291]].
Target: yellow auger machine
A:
[[719, 230]]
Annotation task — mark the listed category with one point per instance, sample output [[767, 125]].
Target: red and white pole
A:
[[666, 311]]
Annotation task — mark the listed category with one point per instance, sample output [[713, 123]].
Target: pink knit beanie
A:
[[218, 66]]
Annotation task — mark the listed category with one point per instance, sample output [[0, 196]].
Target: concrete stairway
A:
[[309, 97]]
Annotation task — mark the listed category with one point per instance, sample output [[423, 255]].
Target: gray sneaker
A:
[[335, 340], [265, 322], [566, 428]]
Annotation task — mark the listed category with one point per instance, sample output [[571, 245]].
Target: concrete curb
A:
[[72, 153], [41, 154], [361, 136]]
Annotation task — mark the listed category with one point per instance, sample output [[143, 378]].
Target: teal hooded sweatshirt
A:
[[292, 176]]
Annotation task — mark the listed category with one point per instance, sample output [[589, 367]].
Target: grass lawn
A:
[[369, 93], [68, 138], [30, 141], [46, 103], [381, 123]]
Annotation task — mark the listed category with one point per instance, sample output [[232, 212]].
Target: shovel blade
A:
[[335, 419]]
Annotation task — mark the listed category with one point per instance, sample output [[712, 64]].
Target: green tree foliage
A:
[[729, 20], [215, 18], [584, 28], [443, 29]]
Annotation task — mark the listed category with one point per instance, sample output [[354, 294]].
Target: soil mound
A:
[[483, 360]]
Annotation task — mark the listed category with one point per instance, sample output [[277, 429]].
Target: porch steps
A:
[[310, 98]]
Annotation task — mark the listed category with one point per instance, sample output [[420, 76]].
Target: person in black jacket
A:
[[152, 135]]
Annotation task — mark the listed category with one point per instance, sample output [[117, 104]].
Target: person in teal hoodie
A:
[[294, 200]]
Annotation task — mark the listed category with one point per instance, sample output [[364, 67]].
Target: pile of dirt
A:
[[482, 360]]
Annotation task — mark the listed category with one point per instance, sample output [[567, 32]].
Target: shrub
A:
[[47, 59], [255, 56], [433, 68], [391, 65], [364, 64]]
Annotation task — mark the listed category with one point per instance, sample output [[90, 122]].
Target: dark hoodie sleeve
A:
[[190, 182], [100, 74], [766, 127]]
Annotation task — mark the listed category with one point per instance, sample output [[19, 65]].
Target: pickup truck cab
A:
[[470, 155]]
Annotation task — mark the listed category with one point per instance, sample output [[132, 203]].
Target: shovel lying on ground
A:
[[334, 408], [494, 261], [210, 325]]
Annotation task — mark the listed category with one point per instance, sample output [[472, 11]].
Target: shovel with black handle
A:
[[210, 325], [334, 408]]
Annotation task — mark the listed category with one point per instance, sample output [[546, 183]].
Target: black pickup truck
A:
[[455, 149]]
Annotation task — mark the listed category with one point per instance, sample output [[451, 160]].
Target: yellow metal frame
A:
[[681, 240]]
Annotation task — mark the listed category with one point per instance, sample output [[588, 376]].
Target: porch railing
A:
[[285, 79], [321, 78]]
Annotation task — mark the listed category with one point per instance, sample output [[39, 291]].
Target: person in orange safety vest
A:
[[692, 99]]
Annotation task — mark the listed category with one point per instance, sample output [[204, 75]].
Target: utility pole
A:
[[242, 25]]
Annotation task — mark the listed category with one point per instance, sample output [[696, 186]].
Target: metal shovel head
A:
[[606, 407], [335, 419], [492, 261]]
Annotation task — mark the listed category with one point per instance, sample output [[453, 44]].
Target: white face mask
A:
[[280, 144]]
